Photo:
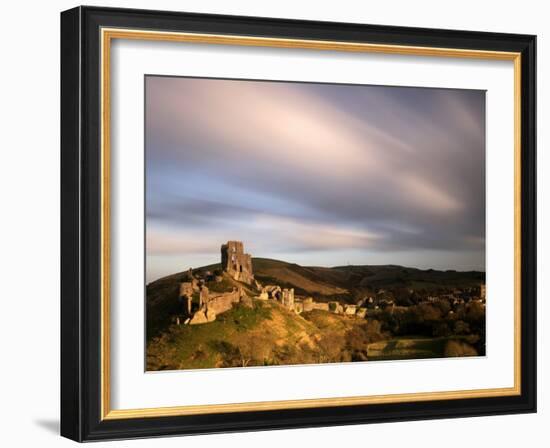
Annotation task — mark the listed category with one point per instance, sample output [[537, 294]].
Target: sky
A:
[[315, 174]]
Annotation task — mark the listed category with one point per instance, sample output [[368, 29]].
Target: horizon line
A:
[[328, 267]]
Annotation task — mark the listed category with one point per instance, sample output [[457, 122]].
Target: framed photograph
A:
[[273, 223]]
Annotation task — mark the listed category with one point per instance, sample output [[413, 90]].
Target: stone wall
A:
[[223, 302], [204, 296], [307, 304], [186, 289], [350, 310], [335, 307], [186, 297], [273, 291], [212, 305], [319, 306], [287, 298]]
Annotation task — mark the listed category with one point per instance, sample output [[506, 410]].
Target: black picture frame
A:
[[81, 224]]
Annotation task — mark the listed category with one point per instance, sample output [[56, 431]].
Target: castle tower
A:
[[287, 298], [236, 263]]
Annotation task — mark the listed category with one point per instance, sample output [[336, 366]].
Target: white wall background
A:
[[29, 224]]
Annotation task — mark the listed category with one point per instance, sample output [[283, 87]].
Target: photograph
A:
[[291, 223]]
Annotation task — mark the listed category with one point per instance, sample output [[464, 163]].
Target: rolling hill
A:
[[267, 333], [263, 334], [343, 283], [348, 283]]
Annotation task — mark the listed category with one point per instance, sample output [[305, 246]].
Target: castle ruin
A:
[[199, 305], [236, 263]]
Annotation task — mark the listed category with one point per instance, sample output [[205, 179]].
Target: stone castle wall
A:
[[223, 302], [287, 298], [319, 306], [212, 305], [309, 304]]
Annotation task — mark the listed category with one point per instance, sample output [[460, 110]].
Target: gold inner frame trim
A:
[[107, 35]]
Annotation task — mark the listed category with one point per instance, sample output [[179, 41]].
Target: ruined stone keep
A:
[[236, 263]]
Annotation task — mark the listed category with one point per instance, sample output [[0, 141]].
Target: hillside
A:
[[349, 280], [266, 333], [348, 283], [263, 334], [342, 283], [162, 298], [305, 281], [392, 277]]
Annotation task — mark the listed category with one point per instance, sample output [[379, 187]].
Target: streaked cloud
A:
[[313, 171]]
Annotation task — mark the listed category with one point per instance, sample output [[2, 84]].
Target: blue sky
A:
[[317, 174]]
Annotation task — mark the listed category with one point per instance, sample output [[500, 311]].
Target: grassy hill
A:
[[264, 334], [342, 283], [267, 333]]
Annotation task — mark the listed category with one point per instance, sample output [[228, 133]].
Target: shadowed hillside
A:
[[315, 282], [350, 283]]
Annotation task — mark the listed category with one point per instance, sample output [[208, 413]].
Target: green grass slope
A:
[[264, 334], [162, 298]]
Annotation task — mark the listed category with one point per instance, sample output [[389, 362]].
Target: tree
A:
[[444, 306], [330, 347], [461, 327], [475, 312], [253, 349], [441, 329]]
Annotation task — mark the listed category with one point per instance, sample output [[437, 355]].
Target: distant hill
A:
[[350, 283], [305, 280], [351, 280]]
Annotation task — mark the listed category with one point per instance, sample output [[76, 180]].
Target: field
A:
[[417, 348]]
